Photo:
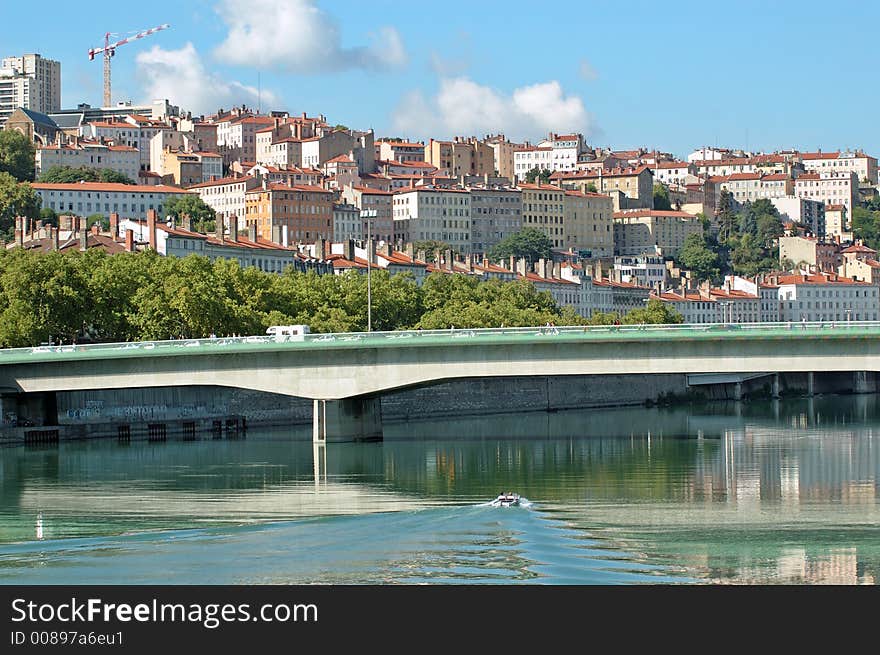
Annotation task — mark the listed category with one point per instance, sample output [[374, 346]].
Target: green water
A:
[[783, 492]]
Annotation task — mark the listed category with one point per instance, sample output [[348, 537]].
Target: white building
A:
[[433, 214], [528, 157], [646, 270], [346, 222], [810, 213], [825, 297], [831, 187], [29, 81], [673, 173], [86, 198], [226, 196], [863, 165], [90, 154], [401, 151], [132, 130]]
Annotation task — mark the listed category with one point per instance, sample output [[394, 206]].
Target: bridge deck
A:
[[446, 338]]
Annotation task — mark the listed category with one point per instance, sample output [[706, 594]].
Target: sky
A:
[[760, 75]]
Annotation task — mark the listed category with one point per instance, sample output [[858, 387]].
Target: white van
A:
[[288, 332]]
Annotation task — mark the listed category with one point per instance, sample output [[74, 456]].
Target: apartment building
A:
[[825, 297], [296, 213], [629, 188], [226, 196], [237, 137], [381, 226], [543, 208], [830, 187], [588, 224], [30, 81], [433, 214], [496, 213], [132, 130], [86, 198], [400, 151], [858, 162], [836, 224], [650, 231], [90, 154], [809, 213], [503, 153]]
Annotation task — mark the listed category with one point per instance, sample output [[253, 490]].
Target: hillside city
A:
[[719, 234]]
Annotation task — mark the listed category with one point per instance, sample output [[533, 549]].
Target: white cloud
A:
[[463, 107], [180, 76], [296, 36], [586, 71]]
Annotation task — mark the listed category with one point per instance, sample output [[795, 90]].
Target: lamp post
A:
[[369, 214]]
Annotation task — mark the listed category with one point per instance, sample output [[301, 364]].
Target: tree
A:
[[697, 257], [16, 199], [590, 187], [201, 214], [530, 243], [49, 216], [538, 174], [100, 219], [71, 175], [17, 155], [109, 175], [656, 312], [726, 216], [661, 197], [866, 226]]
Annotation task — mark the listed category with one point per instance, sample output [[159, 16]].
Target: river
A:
[[752, 493]]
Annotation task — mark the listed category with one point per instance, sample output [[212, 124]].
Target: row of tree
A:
[[746, 243], [144, 296]]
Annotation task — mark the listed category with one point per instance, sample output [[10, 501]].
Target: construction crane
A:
[[109, 50]]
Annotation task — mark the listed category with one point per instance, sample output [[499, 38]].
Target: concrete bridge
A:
[[346, 373]]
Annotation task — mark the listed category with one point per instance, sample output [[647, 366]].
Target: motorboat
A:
[[506, 499]]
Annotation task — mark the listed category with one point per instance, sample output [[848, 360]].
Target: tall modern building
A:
[[29, 81]]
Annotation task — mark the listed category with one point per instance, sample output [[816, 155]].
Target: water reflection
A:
[[746, 493]]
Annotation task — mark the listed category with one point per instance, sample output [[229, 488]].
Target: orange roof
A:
[[639, 213], [817, 278]]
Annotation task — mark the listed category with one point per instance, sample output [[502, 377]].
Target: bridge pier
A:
[[811, 383], [775, 391], [864, 382], [349, 419]]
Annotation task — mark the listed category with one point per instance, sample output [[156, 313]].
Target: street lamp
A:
[[369, 214]]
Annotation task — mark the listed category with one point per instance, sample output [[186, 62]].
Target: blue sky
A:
[[676, 75]]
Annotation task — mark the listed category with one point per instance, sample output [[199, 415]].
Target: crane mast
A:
[[109, 50]]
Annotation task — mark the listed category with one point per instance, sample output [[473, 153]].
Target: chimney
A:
[[186, 222], [521, 266], [233, 228], [541, 268], [151, 228], [219, 228], [408, 250], [511, 265], [469, 263], [114, 225], [252, 232], [448, 255], [284, 241], [129, 240], [421, 255], [348, 250], [276, 234], [54, 231], [96, 227], [320, 248], [83, 240], [19, 230]]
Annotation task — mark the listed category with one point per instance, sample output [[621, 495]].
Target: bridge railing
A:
[[451, 333]]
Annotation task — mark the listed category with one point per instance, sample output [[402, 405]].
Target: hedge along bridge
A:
[[344, 374]]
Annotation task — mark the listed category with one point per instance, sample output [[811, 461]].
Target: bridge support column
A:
[[864, 382], [811, 383], [349, 419], [775, 386], [738, 391]]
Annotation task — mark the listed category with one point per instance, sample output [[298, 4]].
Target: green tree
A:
[[590, 187], [17, 155], [529, 243], [100, 219], [697, 257], [16, 199], [200, 213], [726, 217], [69, 175], [108, 175], [661, 197], [866, 226], [656, 312], [538, 174], [49, 216]]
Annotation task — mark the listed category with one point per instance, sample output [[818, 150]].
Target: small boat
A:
[[506, 499]]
